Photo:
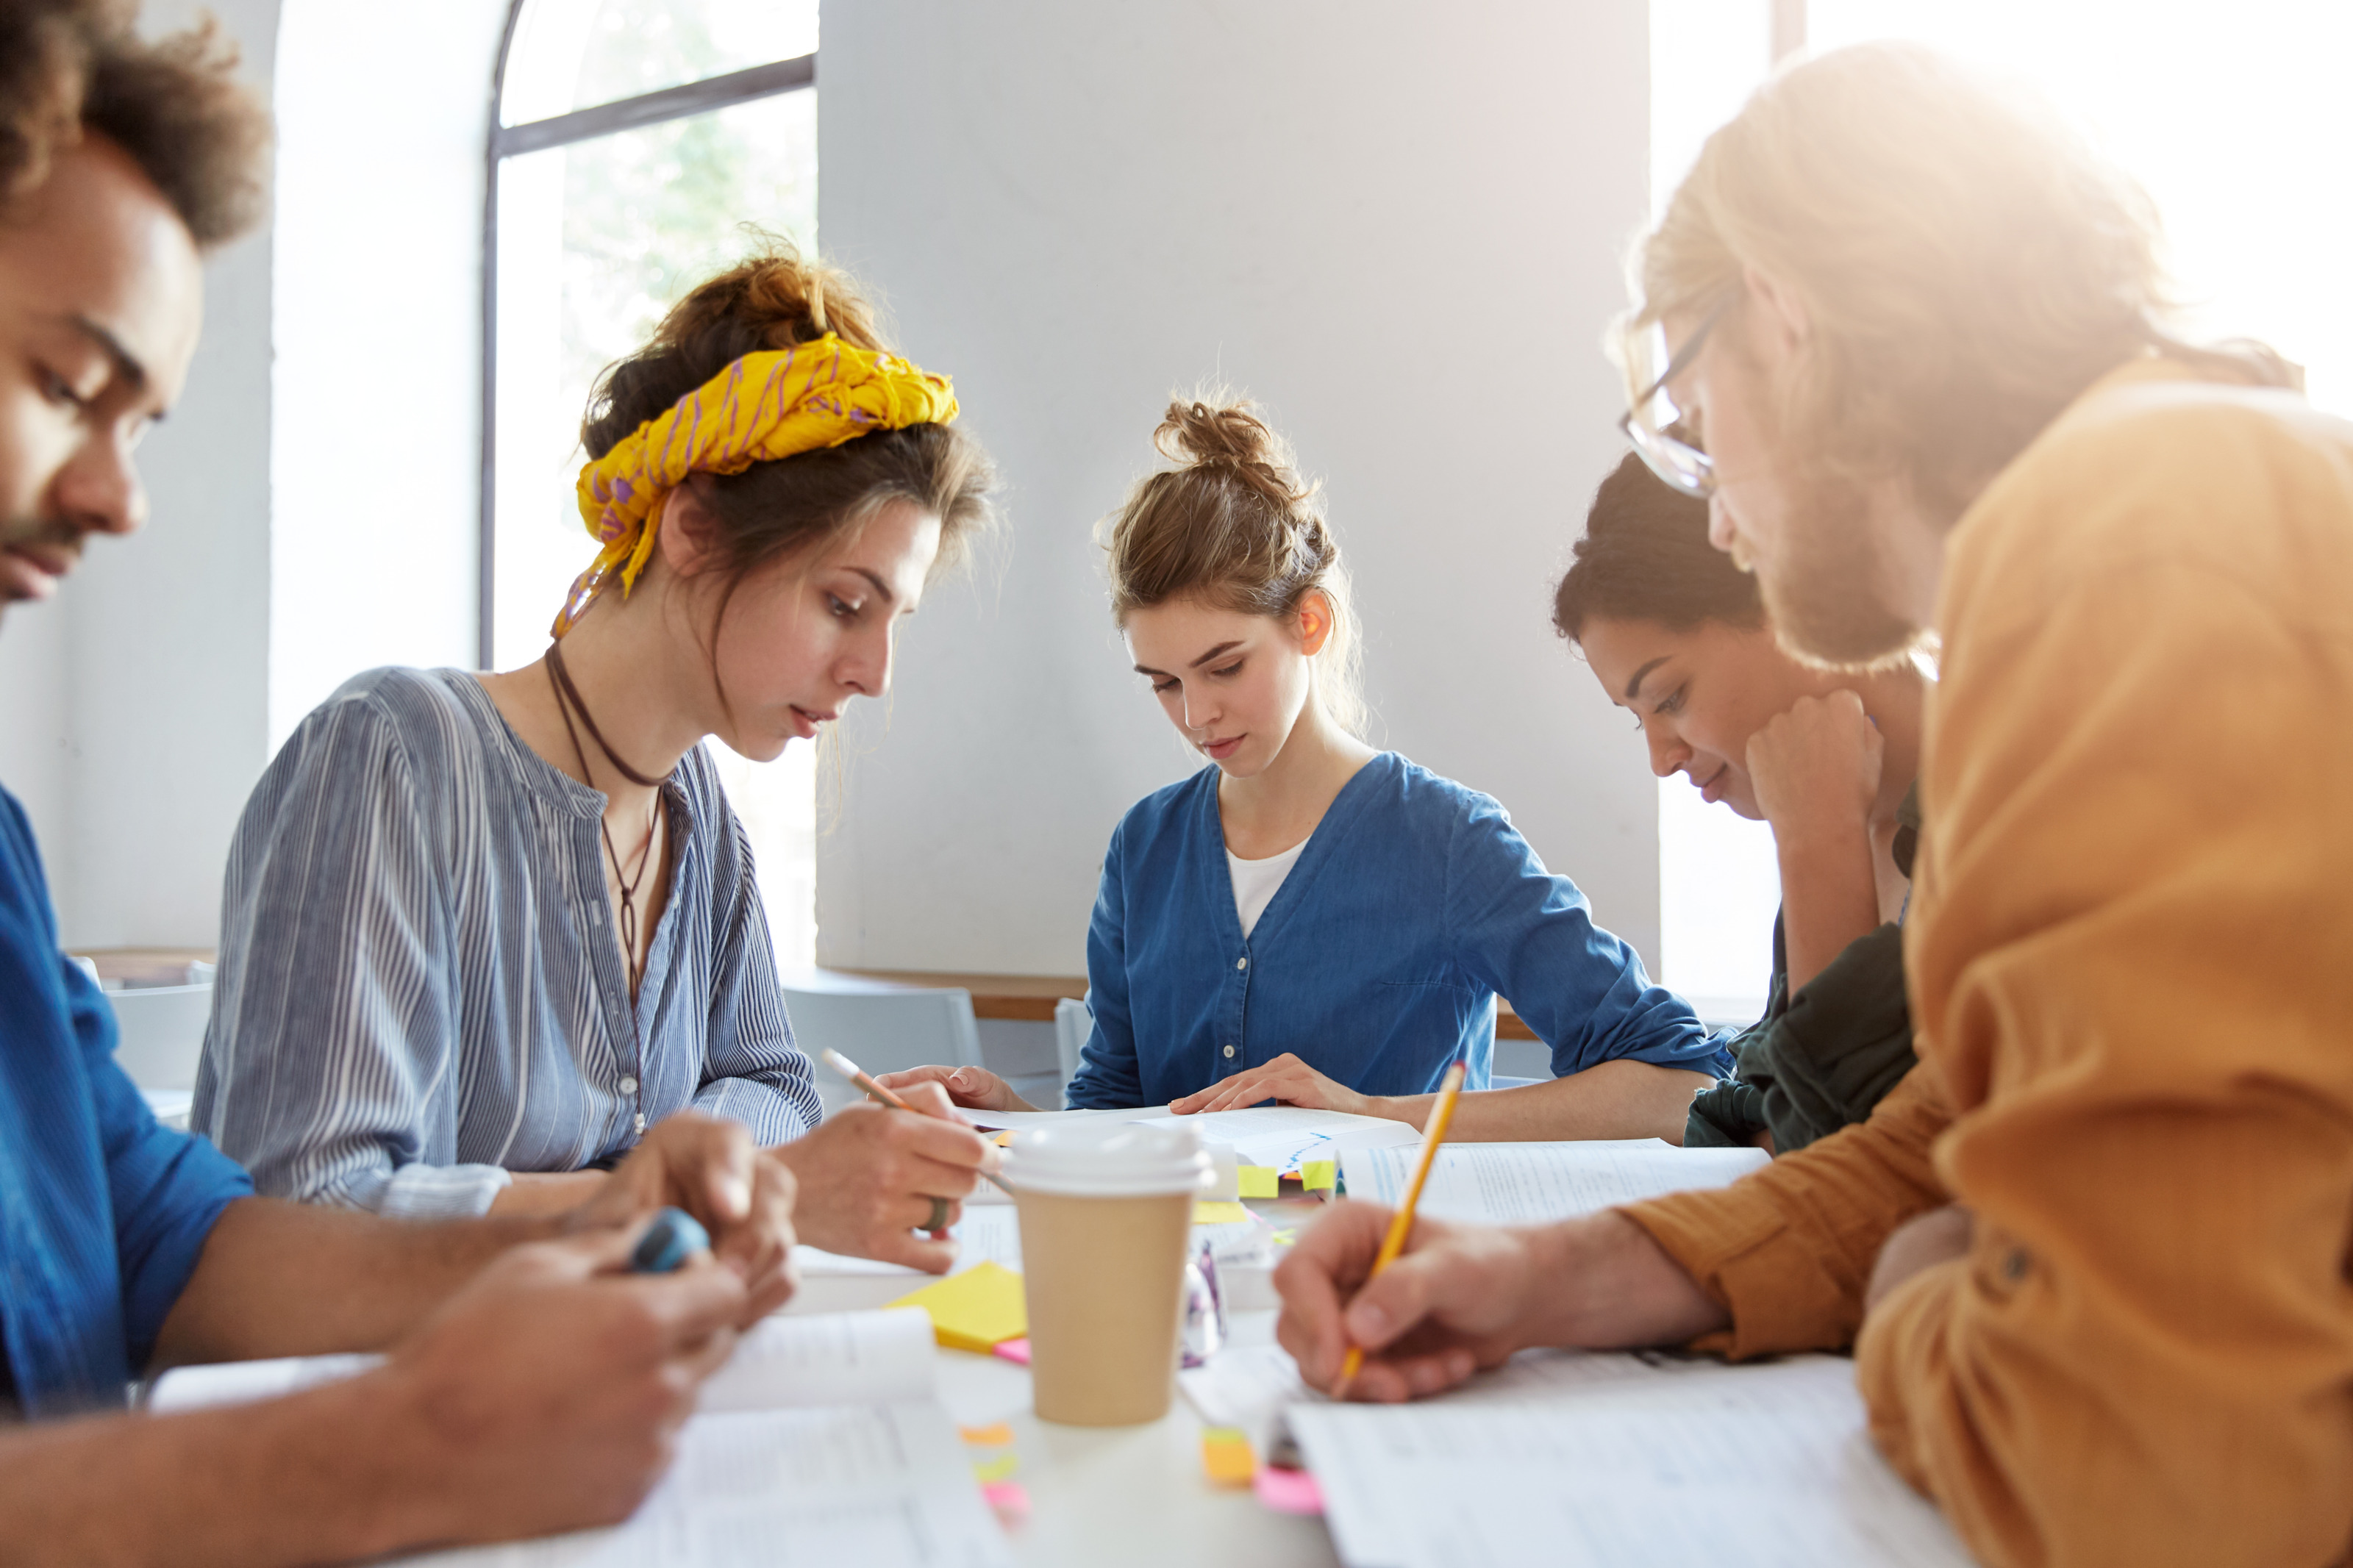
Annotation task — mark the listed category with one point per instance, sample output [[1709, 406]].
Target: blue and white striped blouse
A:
[[420, 985]]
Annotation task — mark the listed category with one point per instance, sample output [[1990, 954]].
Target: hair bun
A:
[[1215, 430]]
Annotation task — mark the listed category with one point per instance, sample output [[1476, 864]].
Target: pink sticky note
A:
[[1014, 1351], [1008, 1498], [1288, 1491]]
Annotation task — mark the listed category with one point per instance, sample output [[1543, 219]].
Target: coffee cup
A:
[[1106, 1211]]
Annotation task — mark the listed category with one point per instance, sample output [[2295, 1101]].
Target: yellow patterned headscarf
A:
[[762, 407]]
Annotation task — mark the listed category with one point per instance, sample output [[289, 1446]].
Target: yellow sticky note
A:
[[1259, 1181], [1226, 1457], [997, 1469], [976, 1310], [996, 1435], [1218, 1214], [1320, 1175]]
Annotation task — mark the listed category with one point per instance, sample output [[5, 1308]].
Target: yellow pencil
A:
[[857, 1074], [1449, 1090]]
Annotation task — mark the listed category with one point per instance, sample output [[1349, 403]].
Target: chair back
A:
[[1073, 1022], [881, 1028]]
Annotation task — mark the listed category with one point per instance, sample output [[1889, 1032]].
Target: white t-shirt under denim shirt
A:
[[1257, 881]]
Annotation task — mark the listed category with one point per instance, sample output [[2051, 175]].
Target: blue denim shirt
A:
[[1414, 904], [104, 1210]]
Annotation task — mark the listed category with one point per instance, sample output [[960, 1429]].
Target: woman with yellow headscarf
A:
[[482, 931]]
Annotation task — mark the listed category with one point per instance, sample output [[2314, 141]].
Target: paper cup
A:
[[1106, 1209]]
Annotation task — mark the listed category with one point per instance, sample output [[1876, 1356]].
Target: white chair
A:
[[883, 1028], [1073, 1022]]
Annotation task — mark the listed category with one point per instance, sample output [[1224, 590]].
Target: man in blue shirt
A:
[[529, 1387]]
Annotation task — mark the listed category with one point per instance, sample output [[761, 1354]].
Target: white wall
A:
[[383, 115], [1398, 225], [314, 511], [135, 716]]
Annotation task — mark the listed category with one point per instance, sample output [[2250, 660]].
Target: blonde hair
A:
[[1233, 525], [1967, 266]]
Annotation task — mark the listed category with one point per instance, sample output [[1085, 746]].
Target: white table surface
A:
[[1133, 1497]]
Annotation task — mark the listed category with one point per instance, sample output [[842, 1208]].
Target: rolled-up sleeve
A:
[[1789, 1250], [754, 1074], [334, 1034], [1529, 936]]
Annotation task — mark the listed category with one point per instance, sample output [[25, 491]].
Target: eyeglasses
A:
[[1658, 430]]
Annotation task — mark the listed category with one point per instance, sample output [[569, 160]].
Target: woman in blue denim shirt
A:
[[1309, 920]]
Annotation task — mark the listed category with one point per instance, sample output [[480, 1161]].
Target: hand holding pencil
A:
[[1378, 1305]]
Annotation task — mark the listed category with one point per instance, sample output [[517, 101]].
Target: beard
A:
[[1827, 593]]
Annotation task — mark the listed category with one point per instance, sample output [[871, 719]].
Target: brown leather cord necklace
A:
[[567, 700]]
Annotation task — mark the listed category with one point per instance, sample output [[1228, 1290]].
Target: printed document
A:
[[1617, 1460], [1525, 1184]]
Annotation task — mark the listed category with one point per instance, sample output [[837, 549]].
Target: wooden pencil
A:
[[1433, 1134]]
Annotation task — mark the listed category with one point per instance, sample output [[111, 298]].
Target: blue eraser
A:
[[670, 1240]]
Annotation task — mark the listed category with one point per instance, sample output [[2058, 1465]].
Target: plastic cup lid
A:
[[1108, 1160]]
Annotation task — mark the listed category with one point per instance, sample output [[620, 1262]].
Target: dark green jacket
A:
[[1823, 1058]]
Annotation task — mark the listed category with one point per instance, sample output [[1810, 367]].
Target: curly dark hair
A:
[[1645, 557], [70, 68]]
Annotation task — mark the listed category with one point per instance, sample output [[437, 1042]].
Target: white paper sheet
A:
[[1607, 1461], [881, 1486], [1276, 1135], [826, 1358], [986, 1234], [244, 1381], [1524, 1183], [819, 1442]]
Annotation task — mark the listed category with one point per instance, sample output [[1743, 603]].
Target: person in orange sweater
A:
[[2091, 1254]]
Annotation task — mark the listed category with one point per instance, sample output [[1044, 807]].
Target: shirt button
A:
[[629, 1086], [1230, 1050], [1241, 964]]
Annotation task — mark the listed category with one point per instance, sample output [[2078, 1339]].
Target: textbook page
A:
[[1610, 1461], [822, 1359], [826, 1358], [987, 1233], [1524, 1183], [885, 1485]]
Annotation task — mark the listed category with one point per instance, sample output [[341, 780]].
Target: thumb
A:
[[727, 1181]]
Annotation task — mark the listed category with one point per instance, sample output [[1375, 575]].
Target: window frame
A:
[[681, 103]]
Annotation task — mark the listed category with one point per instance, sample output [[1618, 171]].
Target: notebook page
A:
[[1763, 1467], [881, 1486], [1524, 1183]]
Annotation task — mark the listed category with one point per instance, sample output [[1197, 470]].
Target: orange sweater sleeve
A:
[[2132, 963], [1789, 1250]]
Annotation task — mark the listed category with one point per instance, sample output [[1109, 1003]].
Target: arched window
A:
[[634, 142]]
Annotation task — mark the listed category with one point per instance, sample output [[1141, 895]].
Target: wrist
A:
[[368, 1444], [1413, 1110], [1815, 833]]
